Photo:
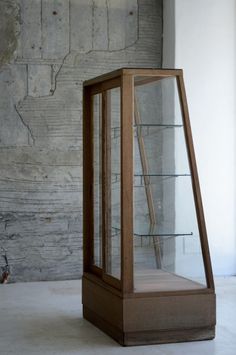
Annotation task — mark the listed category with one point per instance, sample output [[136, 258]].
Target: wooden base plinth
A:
[[149, 337], [139, 319]]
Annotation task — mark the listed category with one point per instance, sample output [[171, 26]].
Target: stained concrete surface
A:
[[47, 49], [46, 318], [9, 29]]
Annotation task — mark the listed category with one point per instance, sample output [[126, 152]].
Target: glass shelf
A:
[[143, 176], [158, 125], [144, 126], [152, 125], [154, 231], [164, 175]]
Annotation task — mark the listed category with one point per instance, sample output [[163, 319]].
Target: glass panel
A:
[[113, 247], [167, 251], [97, 166]]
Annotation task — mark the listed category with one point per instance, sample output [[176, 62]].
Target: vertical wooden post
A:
[[106, 180], [127, 109], [88, 219]]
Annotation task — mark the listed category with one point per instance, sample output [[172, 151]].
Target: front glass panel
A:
[[167, 250], [97, 176], [113, 221]]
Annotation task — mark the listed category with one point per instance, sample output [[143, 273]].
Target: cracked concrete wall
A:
[[47, 49]]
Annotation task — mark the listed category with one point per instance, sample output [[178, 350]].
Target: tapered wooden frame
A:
[[124, 288], [123, 78]]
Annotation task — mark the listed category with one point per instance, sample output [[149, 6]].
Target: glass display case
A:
[[147, 270]]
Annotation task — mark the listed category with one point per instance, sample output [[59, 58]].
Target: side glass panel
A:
[[97, 183], [113, 219], [167, 249]]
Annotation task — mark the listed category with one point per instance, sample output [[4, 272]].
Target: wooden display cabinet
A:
[[147, 270]]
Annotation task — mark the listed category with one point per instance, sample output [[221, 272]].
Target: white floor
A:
[[46, 318]]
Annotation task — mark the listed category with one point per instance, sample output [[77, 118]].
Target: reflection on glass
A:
[[97, 168], [113, 247], [167, 251]]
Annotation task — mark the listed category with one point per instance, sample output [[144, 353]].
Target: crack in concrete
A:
[[26, 125], [109, 51], [53, 81], [108, 30], [52, 91], [68, 69], [58, 72]]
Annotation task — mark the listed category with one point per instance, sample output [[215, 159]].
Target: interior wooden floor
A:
[[160, 280]]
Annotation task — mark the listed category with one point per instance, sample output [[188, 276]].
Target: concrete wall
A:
[[200, 37], [47, 48]]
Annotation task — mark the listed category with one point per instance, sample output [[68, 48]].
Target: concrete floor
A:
[[46, 318]]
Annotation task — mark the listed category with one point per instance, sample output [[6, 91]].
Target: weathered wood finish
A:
[[127, 96], [87, 179], [169, 312], [135, 317], [106, 188], [168, 336], [149, 320], [106, 85]]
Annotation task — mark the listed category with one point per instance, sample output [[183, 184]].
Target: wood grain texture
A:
[[167, 336], [102, 324], [148, 320], [88, 179], [106, 305], [169, 312], [106, 182], [149, 337], [159, 280], [127, 111]]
